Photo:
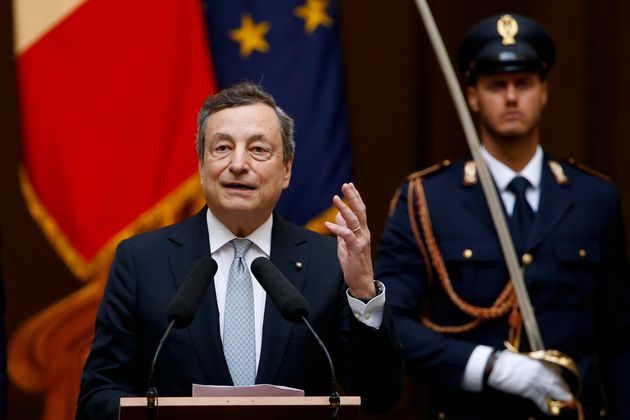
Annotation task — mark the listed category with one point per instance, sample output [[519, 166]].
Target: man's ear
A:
[[200, 169], [287, 174], [472, 98], [545, 93]]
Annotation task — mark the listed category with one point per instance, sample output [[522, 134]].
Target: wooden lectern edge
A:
[[348, 401]]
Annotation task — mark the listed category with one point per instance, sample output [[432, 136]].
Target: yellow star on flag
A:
[[251, 36], [314, 14]]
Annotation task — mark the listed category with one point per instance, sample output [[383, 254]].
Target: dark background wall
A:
[[402, 119]]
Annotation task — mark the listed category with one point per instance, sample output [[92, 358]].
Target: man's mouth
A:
[[510, 115], [238, 186]]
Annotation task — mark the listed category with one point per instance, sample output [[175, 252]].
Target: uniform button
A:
[[357, 315], [467, 253], [527, 258], [441, 415], [366, 316], [582, 253]]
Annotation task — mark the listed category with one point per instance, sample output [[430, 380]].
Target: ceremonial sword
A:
[[498, 217]]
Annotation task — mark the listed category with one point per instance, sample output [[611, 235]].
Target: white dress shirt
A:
[[503, 175], [222, 251]]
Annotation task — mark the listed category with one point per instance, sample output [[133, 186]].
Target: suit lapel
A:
[[204, 331], [555, 201], [285, 253]]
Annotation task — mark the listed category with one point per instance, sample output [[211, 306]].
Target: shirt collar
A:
[[221, 235], [502, 174]]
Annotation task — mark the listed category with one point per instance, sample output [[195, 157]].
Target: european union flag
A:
[[293, 49]]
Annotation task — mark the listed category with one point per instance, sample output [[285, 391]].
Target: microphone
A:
[[180, 313], [294, 308], [289, 301], [182, 308]]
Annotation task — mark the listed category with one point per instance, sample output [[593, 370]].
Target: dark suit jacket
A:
[[581, 299], [147, 271]]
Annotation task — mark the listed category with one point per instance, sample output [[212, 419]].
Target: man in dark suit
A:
[[245, 147], [448, 286]]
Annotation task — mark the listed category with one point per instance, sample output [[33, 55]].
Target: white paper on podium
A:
[[261, 390]]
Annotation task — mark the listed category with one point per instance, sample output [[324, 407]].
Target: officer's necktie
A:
[[522, 218], [239, 336]]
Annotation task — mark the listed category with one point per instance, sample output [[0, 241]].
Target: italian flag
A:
[[109, 91]]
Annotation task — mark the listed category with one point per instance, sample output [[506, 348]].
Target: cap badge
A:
[[507, 27]]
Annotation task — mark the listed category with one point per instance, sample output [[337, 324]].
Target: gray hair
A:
[[240, 94]]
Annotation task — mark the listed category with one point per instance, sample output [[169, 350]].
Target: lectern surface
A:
[[258, 408]]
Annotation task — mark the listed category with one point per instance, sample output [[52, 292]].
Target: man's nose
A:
[[511, 93], [239, 161]]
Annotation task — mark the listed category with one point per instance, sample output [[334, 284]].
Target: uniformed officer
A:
[[443, 266]]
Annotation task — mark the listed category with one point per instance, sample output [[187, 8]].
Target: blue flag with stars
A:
[[292, 49]]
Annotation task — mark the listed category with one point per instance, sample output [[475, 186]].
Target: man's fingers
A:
[[355, 202], [346, 216]]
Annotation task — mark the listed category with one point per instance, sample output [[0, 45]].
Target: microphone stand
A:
[[334, 399], [151, 393]]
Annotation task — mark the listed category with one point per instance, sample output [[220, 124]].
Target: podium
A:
[[237, 408]]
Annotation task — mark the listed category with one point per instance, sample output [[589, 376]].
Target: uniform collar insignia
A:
[[558, 172], [470, 173]]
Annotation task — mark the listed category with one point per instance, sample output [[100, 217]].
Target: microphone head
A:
[[289, 301], [184, 304]]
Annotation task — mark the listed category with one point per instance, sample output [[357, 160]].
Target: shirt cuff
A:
[[473, 374], [370, 313]]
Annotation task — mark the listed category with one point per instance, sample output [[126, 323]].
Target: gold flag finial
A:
[[507, 27]]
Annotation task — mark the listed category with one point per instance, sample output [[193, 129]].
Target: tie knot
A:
[[518, 185], [240, 247]]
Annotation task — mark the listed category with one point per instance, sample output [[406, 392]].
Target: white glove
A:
[[520, 375]]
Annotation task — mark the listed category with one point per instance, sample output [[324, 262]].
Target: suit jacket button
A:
[[467, 254], [582, 253], [527, 258]]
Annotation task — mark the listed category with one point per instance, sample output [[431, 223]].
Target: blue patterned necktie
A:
[[239, 336], [522, 218]]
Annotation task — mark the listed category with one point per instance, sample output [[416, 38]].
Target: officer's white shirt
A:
[[473, 375], [503, 175]]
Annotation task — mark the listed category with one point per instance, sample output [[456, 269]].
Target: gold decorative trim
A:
[[430, 170], [181, 202], [588, 170], [36, 347], [393, 202], [504, 303], [316, 224]]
